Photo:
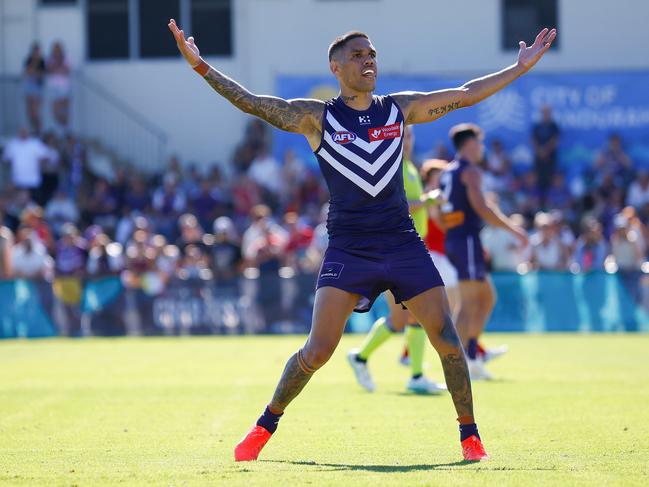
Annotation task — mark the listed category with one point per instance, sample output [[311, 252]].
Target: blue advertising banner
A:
[[272, 304], [587, 106]]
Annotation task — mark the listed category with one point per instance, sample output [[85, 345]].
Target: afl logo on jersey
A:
[[343, 137]]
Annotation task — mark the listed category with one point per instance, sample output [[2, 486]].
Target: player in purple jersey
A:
[[373, 247], [464, 212]]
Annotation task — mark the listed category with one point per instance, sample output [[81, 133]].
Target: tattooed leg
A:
[[295, 376], [456, 371], [431, 310]]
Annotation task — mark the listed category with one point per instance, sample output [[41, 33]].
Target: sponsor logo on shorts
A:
[[386, 132], [331, 270], [343, 137]]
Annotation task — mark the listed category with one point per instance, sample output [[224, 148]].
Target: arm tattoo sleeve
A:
[[283, 114]]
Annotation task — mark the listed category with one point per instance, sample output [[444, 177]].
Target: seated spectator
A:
[[246, 194], [167, 261], [638, 195], [105, 258], [226, 250], [264, 241], [50, 168], [591, 250], [190, 231], [626, 245], [559, 197], [528, 195], [547, 252], [613, 161], [101, 206], [299, 239], [266, 171], [194, 264], [498, 162], [33, 217], [29, 259], [206, 203], [60, 210], [169, 201], [137, 197]]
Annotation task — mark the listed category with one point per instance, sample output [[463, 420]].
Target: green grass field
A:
[[566, 410]]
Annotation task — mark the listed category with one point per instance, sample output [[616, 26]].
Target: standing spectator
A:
[[25, 154], [591, 248], [60, 210], [226, 250], [545, 140], [33, 81], [59, 84], [29, 258], [548, 253], [638, 195], [6, 250]]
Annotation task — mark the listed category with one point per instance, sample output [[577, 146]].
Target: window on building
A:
[[211, 25], [155, 38], [107, 29], [523, 19]]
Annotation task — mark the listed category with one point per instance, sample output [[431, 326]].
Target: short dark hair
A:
[[463, 132], [340, 41]]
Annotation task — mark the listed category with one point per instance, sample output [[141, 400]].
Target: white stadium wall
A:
[[291, 36]]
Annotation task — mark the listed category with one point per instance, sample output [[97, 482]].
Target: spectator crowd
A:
[[63, 221]]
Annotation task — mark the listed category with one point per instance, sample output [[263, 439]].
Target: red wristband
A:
[[202, 68]]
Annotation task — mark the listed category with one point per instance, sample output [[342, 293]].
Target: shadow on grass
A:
[[376, 468], [333, 467]]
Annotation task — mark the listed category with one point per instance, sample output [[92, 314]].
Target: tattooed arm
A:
[[303, 116], [298, 115], [420, 107]]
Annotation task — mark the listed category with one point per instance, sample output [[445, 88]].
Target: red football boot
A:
[[473, 450], [249, 447]]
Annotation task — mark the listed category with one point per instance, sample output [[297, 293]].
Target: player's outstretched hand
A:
[[187, 48], [529, 56]]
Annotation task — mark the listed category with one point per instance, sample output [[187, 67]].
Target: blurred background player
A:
[[418, 203], [464, 213]]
